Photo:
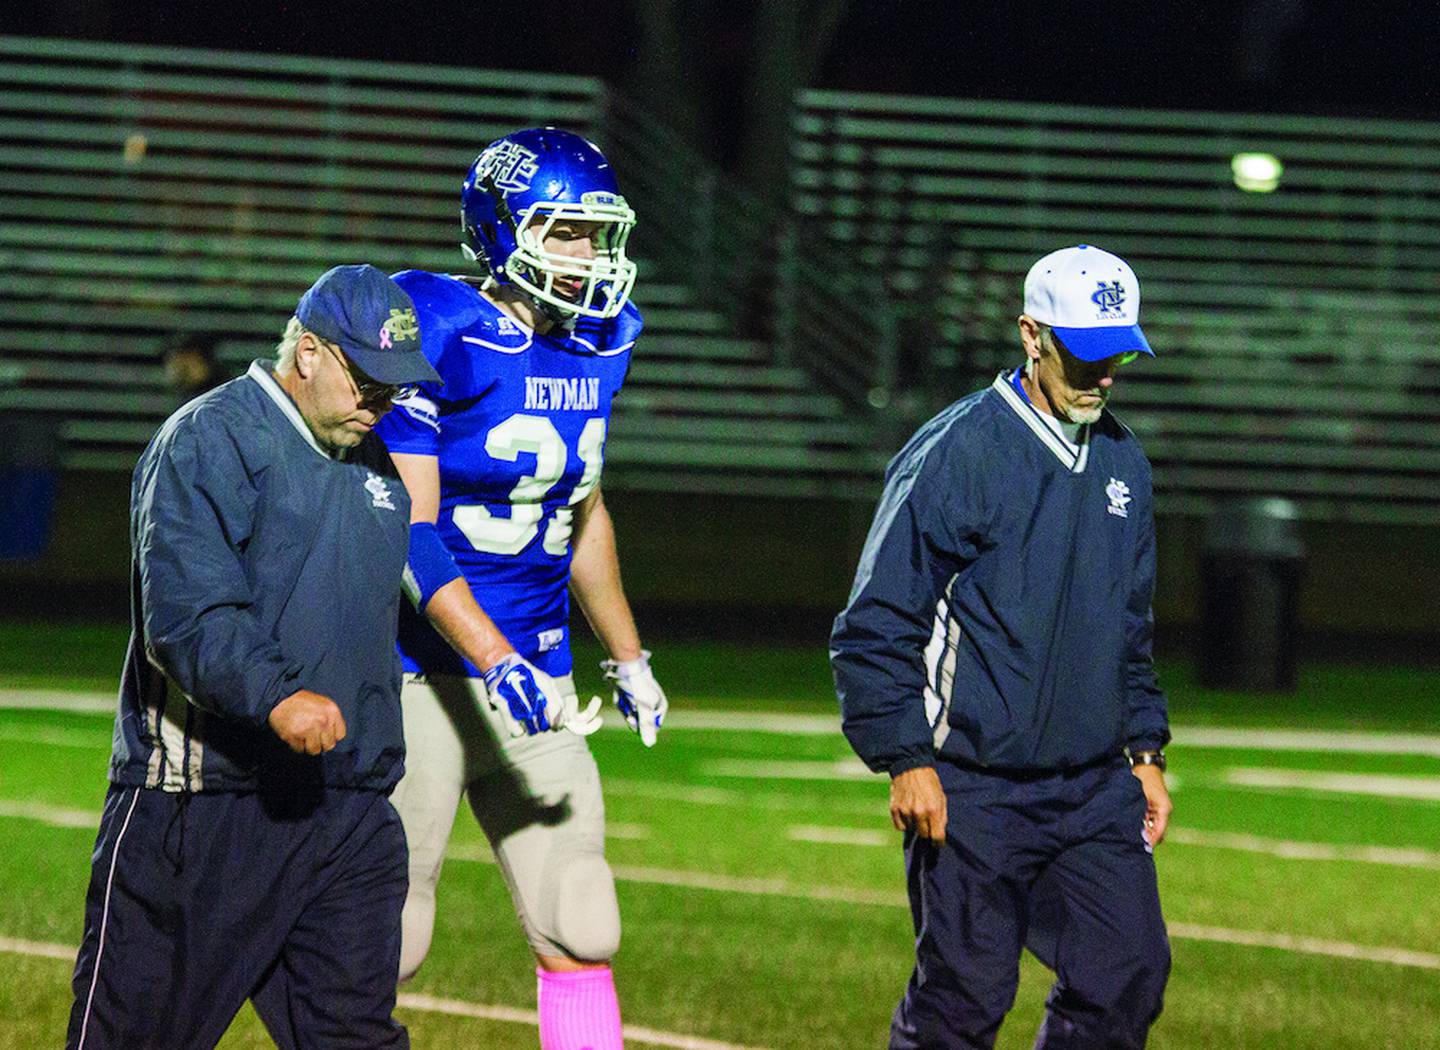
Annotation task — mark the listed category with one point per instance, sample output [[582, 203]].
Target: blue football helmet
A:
[[515, 193]]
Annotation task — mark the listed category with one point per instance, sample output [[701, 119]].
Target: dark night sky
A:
[[1341, 57]]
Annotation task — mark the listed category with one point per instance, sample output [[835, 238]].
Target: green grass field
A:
[[762, 888]]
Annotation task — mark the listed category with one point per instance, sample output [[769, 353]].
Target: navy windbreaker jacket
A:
[[260, 565], [1001, 614]]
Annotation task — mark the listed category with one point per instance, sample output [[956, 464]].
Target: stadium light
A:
[[1256, 172]]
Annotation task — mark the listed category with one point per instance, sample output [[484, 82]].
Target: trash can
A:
[[1251, 568], [29, 475]]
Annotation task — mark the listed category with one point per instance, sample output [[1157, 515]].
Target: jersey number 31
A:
[[536, 435]]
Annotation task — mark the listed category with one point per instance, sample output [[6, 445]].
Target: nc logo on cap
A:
[[400, 325], [1109, 297]]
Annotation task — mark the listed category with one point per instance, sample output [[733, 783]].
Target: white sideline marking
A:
[[841, 836], [51, 737], [1396, 856], [704, 880], [1236, 737], [58, 700], [715, 796], [1305, 945], [771, 887], [1407, 787], [41, 949], [436, 1005], [1307, 740], [56, 816], [615, 829], [704, 796], [649, 1036], [790, 769]]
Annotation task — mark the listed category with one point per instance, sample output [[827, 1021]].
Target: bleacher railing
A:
[[754, 260], [1296, 330]]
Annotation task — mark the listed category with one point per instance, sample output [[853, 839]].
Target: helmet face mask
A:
[[529, 189]]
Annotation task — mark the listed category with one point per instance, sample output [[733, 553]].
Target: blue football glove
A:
[[530, 702], [638, 696]]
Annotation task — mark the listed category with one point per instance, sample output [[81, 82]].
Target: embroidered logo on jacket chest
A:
[[1119, 495], [379, 491]]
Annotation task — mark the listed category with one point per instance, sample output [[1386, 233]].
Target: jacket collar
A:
[[263, 374], [1074, 457]]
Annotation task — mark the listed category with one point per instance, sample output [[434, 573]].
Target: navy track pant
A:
[[1056, 863], [199, 902]]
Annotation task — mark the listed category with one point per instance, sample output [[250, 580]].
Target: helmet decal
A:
[[509, 165]]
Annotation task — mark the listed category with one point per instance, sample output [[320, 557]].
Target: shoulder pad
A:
[[454, 318], [610, 337]]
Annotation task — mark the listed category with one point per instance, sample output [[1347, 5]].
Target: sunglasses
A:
[[371, 391], [1124, 359]]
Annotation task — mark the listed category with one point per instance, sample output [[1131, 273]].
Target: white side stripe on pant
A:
[[105, 916]]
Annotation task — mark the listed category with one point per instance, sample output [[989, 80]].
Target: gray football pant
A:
[[539, 803]]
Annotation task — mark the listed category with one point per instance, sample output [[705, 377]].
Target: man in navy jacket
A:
[[994, 659], [247, 846]]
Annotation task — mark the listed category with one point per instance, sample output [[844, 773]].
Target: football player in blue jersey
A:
[[502, 462]]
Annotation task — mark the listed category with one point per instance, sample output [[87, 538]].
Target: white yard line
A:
[[748, 798], [789, 769], [704, 880], [1245, 739], [1395, 856], [40, 949], [633, 1033], [775, 887], [1404, 787], [436, 1005], [841, 836], [1235, 737], [1306, 945], [49, 737], [55, 816], [615, 829], [57, 700]]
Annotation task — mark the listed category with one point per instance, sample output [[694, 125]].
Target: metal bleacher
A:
[[1296, 330], [146, 191]]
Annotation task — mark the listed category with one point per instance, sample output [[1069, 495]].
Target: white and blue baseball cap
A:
[[1091, 299]]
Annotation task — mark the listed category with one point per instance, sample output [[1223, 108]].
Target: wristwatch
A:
[[1148, 758]]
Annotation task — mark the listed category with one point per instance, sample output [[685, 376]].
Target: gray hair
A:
[[285, 348], [1046, 337]]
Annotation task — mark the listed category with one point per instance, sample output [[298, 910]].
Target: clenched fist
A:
[[917, 802], [308, 722]]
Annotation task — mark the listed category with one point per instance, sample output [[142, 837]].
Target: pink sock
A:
[[579, 1011]]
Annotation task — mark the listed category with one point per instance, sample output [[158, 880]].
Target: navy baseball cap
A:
[[372, 319], [1091, 299]]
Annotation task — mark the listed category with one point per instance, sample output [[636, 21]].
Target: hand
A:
[[1157, 802], [638, 696], [308, 722], [525, 696], [917, 802]]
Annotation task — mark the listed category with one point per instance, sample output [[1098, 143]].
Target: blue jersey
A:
[[519, 427]]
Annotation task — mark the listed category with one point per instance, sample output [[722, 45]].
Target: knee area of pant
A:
[[585, 919], [417, 926]]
